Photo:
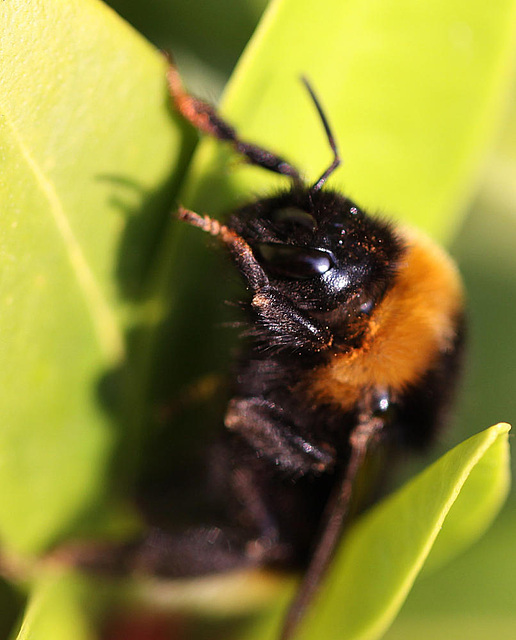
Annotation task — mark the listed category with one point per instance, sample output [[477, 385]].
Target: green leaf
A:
[[87, 145], [382, 555], [400, 82], [62, 606], [476, 506]]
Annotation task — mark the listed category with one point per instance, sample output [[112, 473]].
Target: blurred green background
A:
[[474, 596]]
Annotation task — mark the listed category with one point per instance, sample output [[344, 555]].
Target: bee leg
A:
[[282, 326], [363, 439], [240, 532], [204, 117], [264, 544], [279, 322], [261, 424], [195, 551]]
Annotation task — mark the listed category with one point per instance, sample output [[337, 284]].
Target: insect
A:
[[354, 336]]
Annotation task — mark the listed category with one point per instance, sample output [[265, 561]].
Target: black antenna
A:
[[336, 158]]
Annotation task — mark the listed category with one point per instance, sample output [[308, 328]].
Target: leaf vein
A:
[[105, 324]]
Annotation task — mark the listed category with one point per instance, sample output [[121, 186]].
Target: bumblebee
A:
[[352, 351]]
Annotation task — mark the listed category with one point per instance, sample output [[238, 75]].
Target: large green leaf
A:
[[87, 145], [400, 83], [382, 554]]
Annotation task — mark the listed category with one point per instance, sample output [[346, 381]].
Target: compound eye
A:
[[298, 263]]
